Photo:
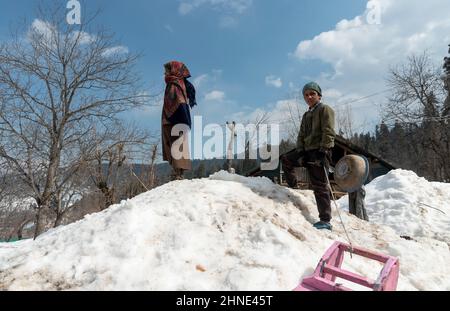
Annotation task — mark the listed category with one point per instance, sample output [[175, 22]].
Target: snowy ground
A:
[[410, 205], [229, 232]]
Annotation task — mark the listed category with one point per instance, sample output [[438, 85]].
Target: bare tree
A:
[[4, 174], [418, 90], [344, 122], [446, 79], [106, 179], [152, 179], [15, 210], [418, 100], [57, 85], [295, 116], [250, 140], [65, 198], [146, 178], [109, 166]]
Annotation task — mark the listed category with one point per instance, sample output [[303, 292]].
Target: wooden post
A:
[[230, 156]]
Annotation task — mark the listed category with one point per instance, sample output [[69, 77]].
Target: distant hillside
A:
[[200, 168]]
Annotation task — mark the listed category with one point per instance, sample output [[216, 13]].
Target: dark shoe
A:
[[291, 180], [179, 177], [293, 185], [322, 225], [177, 174]]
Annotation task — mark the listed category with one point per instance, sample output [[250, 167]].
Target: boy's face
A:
[[311, 97]]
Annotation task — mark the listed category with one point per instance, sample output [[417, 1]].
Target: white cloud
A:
[[287, 110], [45, 30], [185, 8], [332, 93], [168, 28], [229, 9], [43, 27], [217, 72], [49, 34], [228, 22], [201, 79], [361, 53], [286, 113], [206, 80], [83, 37], [240, 6], [236, 6], [215, 96], [116, 50], [274, 81]]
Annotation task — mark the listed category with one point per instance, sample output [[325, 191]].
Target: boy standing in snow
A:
[[314, 143]]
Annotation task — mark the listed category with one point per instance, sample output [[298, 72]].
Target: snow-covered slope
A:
[[409, 204], [225, 232]]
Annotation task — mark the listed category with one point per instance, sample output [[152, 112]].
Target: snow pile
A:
[[409, 204], [225, 232]]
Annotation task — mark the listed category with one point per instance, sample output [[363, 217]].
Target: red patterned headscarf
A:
[[175, 93]]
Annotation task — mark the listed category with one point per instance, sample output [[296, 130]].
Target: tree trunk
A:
[[58, 219], [20, 229], [37, 226], [108, 195]]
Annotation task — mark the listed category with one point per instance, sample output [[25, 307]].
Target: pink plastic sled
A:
[[329, 268]]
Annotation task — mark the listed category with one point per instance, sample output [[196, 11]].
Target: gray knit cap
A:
[[312, 86]]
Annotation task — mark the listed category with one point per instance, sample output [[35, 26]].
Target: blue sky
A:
[[252, 56], [237, 57]]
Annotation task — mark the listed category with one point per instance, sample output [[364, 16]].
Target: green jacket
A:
[[317, 129]]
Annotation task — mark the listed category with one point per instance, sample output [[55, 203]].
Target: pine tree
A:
[[446, 108], [383, 141]]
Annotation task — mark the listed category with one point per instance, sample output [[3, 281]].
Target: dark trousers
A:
[[290, 161], [314, 163], [356, 204]]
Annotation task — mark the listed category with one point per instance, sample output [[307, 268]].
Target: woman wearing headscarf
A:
[[178, 96]]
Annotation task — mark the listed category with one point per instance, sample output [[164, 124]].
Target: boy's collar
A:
[[315, 106]]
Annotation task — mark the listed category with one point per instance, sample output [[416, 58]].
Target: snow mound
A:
[[226, 232], [409, 204]]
